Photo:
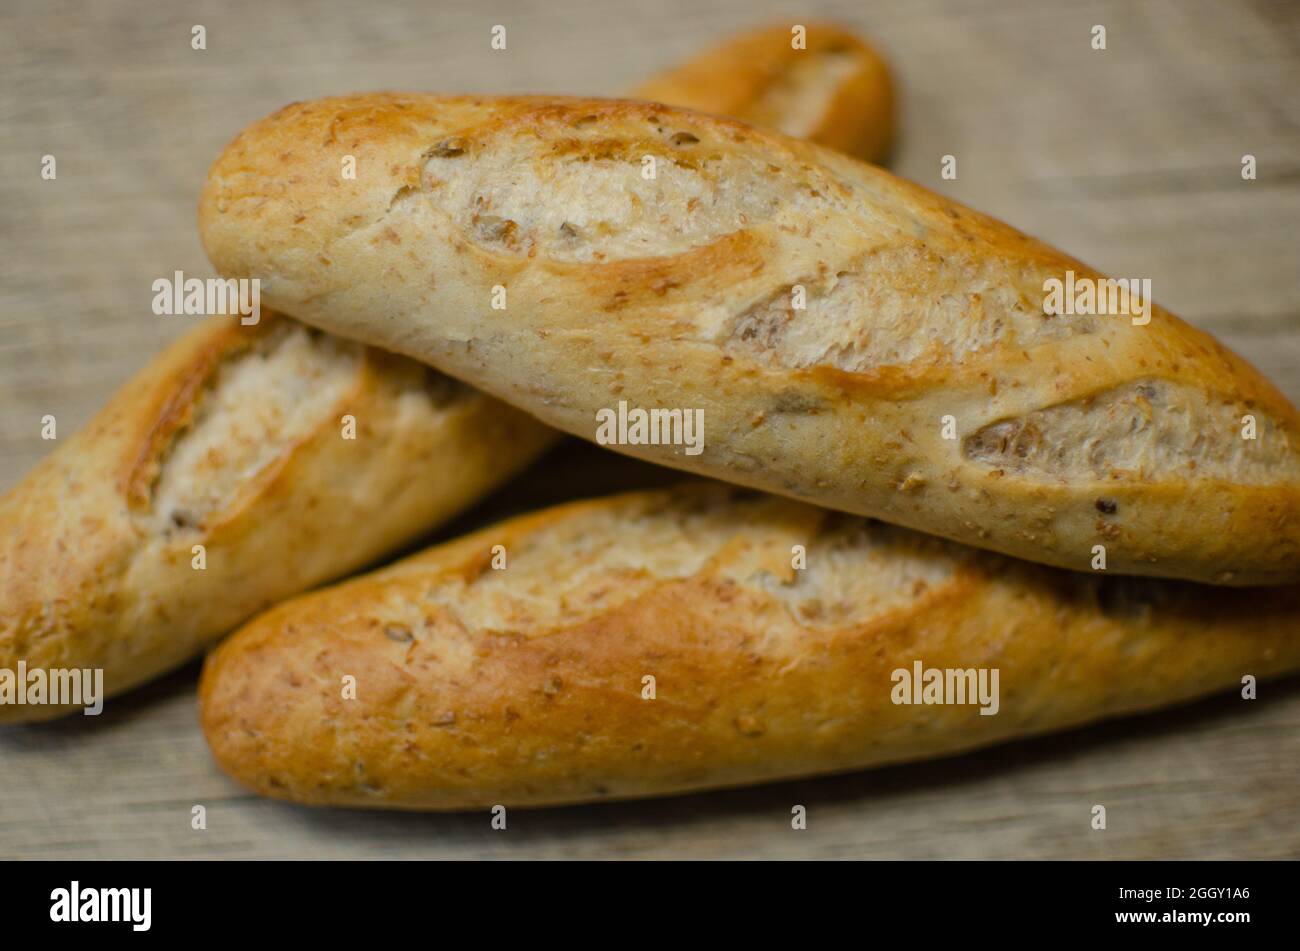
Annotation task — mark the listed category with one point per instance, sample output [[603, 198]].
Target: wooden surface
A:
[[1129, 158]]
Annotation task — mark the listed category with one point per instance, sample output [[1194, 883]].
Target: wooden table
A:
[[1128, 157]]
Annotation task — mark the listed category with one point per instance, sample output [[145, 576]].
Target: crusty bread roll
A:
[[835, 90], [234, 439], [921, 381], [287, 504], [527, 686]]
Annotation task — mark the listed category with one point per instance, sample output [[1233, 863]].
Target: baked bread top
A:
[[851, 338]]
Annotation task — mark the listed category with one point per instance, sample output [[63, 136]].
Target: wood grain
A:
[[1128, 158]]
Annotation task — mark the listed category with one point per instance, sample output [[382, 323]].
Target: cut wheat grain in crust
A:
[[851, 339]]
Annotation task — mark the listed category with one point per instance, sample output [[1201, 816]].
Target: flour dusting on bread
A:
[[1147, 430], [572, 570], [861, 570], [876, 314], [570, 191], [262, 400]]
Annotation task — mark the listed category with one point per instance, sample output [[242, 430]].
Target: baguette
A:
[[923, 382], [233, 441], [526, 686], [836, 91], [108, 583]]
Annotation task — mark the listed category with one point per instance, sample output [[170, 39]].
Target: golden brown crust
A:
[[526, 686], [835, 90], [1067, 432], [96, 544]]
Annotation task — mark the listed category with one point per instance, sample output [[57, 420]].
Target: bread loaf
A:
[[236, 442], [528, 685], [847, 338], [233, 440]]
